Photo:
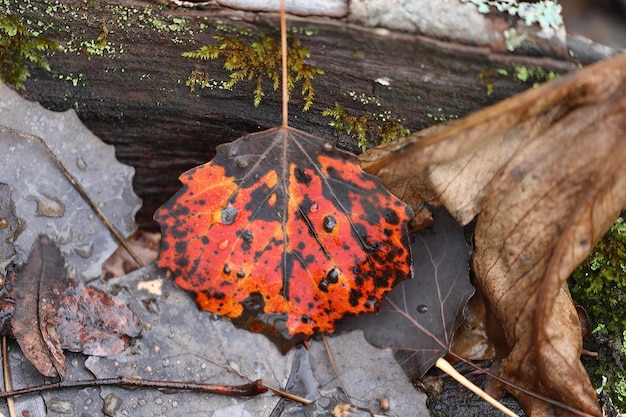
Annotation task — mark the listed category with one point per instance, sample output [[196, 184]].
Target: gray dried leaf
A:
[[181, 343], [45, 201], [8, 226]]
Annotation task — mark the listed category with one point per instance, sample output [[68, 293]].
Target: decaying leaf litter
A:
[[613, 167], [545, 178]]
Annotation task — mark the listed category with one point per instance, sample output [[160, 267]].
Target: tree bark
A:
[[123, 73]]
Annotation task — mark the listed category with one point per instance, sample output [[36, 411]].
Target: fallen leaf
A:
[[53, 312], [471, 341], [183, 343], [8, 226], [419, 317], [46, 202], [543, 171], [94, 322], [37, 288], [284, 233], [144, 244]]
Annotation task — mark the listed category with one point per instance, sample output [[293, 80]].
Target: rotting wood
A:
[[134, 95]]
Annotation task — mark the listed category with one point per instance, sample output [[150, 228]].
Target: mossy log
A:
[[123, 72]]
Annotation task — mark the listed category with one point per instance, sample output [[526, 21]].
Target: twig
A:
[[83, 193], [246, 390], [334, 366], [6, 372]]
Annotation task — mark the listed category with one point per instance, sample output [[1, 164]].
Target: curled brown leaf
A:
[[38, 285], [543, 173]]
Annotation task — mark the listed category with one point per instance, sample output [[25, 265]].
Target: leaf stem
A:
[[284, 75], [6, 372]]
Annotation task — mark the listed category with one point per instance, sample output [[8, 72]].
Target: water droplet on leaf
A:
[[48, 206], [328, 147], [333, 275], [329, 223], [371, 303], [111, 404], [241, 273], [247, 236], [314, 207], [229, 214], [223, 244], [227, 269], [85, 250], [81, 164], [422, 308]]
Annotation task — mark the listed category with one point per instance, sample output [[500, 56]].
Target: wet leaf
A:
[[94, 322], [8, 226], [53, 312], [419, 317], [46, 202], [285, 234], [36, 291], [544, 173], [183, 343]]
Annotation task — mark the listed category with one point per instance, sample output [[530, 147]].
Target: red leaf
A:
[[286, 234], [94, 322]]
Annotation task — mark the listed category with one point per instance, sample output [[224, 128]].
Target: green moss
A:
[[599, 285], [18, 45], [376, 128], [256, 62], [525, 74], [532, 73]]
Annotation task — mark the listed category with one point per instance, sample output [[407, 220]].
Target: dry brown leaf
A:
[[40, 282], [544, 172], [54, 312], [144, 244]]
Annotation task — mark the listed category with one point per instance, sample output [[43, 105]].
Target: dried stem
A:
[[246, 390], [334, 366], [6, 373], [283, 46]]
